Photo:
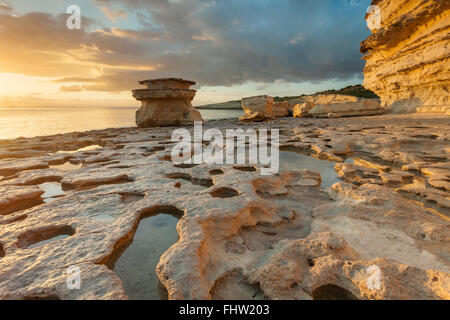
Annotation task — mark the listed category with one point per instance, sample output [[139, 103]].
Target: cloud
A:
[[205, 36], [154, 35], [230, 42], [297, 38], [39, 44], [112, 80], [216, 43], [74, 88], [111, 14]]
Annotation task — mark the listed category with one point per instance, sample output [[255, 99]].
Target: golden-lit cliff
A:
[[408, 55]]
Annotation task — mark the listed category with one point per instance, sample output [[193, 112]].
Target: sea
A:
[[43, 121]]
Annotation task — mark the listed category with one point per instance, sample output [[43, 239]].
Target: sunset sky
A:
[[231, 48]]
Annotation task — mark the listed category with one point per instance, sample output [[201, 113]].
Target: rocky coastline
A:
[[240, 235], [360, 208]]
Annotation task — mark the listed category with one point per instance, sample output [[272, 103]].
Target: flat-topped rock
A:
[[166, 102], [142, 94], [167, 83]]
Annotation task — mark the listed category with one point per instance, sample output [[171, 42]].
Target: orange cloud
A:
[[111, 14], [40, 45], [75, 88]]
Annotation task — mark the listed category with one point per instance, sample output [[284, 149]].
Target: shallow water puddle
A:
[[66, 166], [52, 190], [136, 266], [350, 160], [291, 160], [88, 148], [35, 238]]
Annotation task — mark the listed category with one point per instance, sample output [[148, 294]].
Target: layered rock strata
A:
[[262, 108], [321, 99], [360, 108], [166, 102], [281, 109], [408, 55], [346, 106]]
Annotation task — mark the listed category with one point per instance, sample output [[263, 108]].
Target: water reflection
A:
[[290, 160], [31, 122], [88, 148], [136, 266], [52, 190]]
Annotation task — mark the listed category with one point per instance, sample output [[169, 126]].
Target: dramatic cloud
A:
[[216, 43], [38, 44]]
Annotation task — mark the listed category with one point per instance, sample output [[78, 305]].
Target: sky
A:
[[231, 48]]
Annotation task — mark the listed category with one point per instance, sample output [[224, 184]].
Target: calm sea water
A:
[[31, 122]]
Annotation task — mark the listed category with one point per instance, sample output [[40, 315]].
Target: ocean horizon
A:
[[30, 122]]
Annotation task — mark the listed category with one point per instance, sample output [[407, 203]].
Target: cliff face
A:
[[408, 56]]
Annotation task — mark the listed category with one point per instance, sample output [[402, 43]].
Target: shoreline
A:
[[217, 108]]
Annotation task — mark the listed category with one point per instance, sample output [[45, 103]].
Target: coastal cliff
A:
[[408, 55]]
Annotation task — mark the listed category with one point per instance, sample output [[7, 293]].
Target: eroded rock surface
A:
[[257, 108], [408, 56], [335, 106], [166, 102], [241, 235], [281, 109], [363, 107]]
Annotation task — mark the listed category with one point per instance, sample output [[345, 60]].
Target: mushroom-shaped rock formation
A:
[[166, 102]]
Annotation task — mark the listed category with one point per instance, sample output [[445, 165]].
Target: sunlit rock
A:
[[281, 109], [298, 234], [257, 108], [344, 106], [166, 102], [408, 56], [367, 107], [301, 110]]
